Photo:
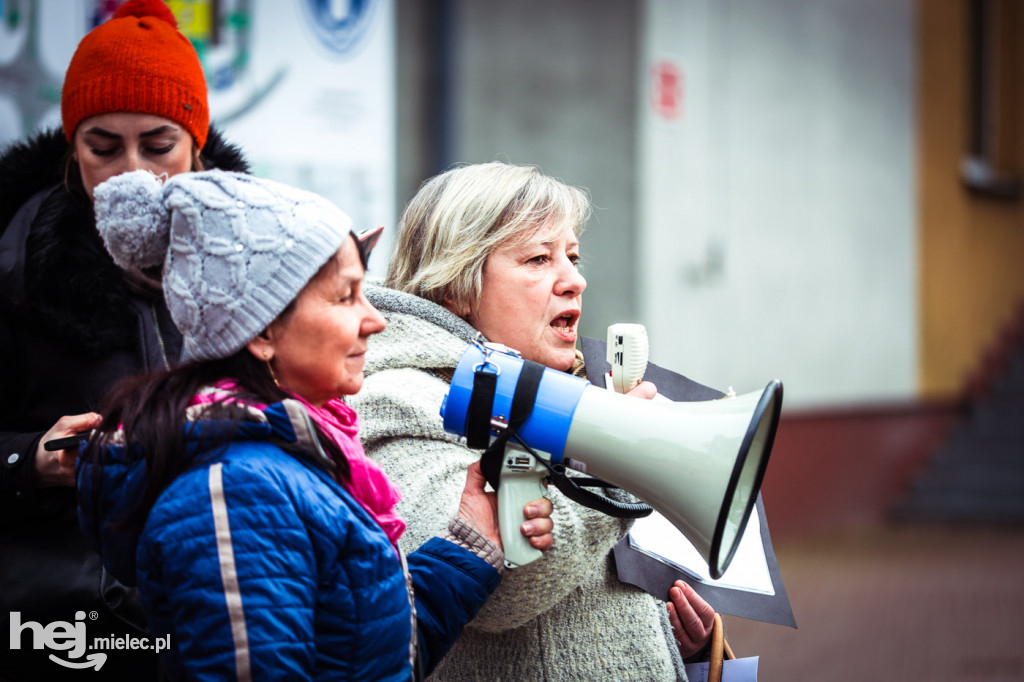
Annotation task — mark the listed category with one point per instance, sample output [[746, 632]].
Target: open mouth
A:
[[565, 324]]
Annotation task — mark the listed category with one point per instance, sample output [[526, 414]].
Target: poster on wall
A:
[[305, 87]]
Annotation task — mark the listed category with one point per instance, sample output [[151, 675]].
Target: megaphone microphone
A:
[[627, 356], [699, 464]]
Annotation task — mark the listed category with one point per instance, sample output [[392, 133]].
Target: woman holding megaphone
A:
[[493, 250]]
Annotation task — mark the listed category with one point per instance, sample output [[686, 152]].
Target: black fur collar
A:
[[27, 167]]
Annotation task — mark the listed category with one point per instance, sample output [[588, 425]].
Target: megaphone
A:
[[699, 464]]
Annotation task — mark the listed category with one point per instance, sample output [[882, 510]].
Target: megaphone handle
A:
[[522, 481]]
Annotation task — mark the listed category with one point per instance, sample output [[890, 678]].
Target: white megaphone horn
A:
[[699, 464]]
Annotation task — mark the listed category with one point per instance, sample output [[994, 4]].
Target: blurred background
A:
[[823, 191]]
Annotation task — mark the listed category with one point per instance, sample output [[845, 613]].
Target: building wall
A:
[[779, 207], [971, 277]]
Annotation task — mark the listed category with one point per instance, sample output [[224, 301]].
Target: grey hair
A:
[[458, 218]]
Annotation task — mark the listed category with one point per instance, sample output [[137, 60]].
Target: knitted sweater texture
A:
[[564, 617]]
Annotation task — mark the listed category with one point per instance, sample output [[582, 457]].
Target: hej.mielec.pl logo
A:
[[69, 637]]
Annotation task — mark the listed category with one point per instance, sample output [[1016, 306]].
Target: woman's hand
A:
[[539, 525], [645, 390], [480, 509], [691, 617], [58, 468]]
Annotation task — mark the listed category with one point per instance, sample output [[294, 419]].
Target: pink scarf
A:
[[368, 483]]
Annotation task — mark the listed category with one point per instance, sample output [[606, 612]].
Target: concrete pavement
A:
[[896, 602]]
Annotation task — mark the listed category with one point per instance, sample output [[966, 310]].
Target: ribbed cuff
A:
[[469, 538]]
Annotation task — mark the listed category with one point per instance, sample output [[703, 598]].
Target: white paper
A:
[[655, 535], [735, 670]]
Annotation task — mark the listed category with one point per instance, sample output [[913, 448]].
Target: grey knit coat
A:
[[564, 617]]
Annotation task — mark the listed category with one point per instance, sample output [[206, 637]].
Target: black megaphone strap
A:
[[522, 404], [480, 410], [478, 413]]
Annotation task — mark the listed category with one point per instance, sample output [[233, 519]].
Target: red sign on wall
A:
[[666, 85]]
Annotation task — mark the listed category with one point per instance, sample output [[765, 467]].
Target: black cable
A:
[[573, 488]]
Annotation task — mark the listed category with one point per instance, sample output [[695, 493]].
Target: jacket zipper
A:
[[414, 658]]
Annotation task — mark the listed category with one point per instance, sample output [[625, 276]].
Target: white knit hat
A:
[[236, 249]]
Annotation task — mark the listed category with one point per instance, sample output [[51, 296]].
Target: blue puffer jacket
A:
[[258, 565]]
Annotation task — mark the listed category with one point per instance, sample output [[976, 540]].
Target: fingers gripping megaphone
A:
[[699, 464]]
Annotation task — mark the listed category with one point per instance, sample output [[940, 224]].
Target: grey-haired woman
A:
[[493, 249]]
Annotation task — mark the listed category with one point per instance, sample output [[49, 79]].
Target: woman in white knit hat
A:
[[233, 489]]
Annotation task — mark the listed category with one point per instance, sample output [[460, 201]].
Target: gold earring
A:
[[271, 368]]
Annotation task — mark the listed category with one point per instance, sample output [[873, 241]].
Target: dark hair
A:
[[73, 175], [150, 411]]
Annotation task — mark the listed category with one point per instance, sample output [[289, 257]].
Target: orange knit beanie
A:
[[138, 62]]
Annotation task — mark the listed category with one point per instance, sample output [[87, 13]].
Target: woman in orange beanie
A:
[[72, 323]]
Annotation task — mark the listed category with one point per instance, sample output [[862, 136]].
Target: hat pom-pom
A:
[[132, 219], [147, 8]]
